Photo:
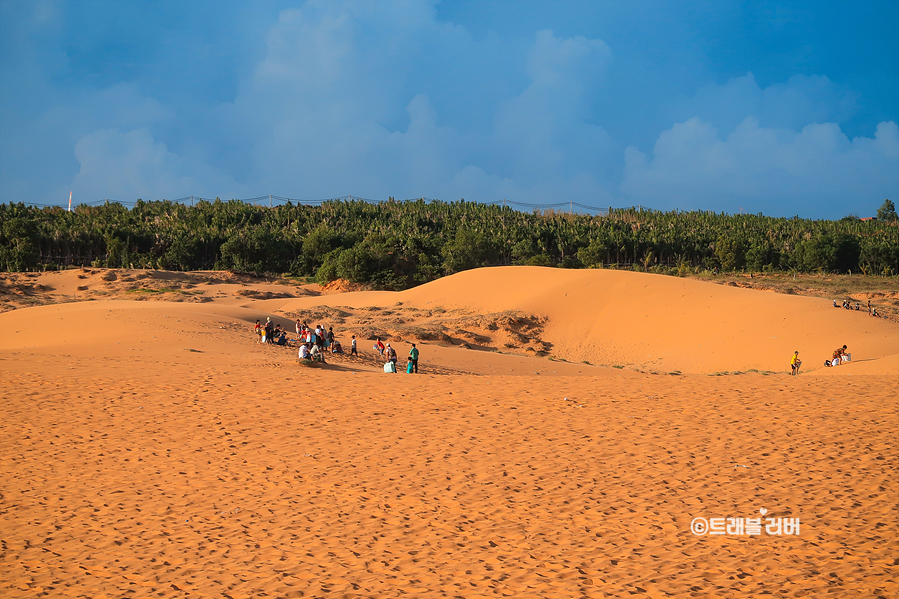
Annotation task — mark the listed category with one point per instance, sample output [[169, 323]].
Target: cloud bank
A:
[[325, 99]]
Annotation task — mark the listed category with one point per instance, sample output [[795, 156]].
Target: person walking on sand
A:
[[379, 345], [413, 358], [869, 307], [795, 363], [353, 351]]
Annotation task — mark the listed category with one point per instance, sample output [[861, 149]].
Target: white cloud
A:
[[789, 105], [764, 169], [321, 107], [544, 133], [129, 165]]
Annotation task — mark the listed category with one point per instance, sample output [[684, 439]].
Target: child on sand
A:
[[795, 363], [353, 347], [380, 346]]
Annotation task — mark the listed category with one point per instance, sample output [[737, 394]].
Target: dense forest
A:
[[395, 245]]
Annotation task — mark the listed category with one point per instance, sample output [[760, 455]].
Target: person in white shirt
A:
[[304, 352]]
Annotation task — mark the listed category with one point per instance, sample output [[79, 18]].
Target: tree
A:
[[887, 211], [469, 249], [317, 244], [731, 252]]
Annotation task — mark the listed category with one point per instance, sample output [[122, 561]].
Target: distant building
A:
[[867, 218]]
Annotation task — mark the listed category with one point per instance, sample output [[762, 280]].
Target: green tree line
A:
[[395, 245]]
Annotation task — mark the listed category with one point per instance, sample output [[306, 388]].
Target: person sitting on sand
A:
[[835, 304], [336, 348], [281, 339], [317, 354], [304, 351], [795, 363]]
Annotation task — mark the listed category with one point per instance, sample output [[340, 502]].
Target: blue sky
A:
[[783, 108]]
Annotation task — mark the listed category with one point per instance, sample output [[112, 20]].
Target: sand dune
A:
[[150, 448], [646, 322], [651, 322]]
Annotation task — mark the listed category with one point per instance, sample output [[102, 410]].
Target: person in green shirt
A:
[[413, 357]]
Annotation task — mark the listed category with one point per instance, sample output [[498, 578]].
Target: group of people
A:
[[847, 305], [270, 333], [314, 342], [840, 356], [393, 359]]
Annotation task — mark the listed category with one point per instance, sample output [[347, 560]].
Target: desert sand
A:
[[566, 429]]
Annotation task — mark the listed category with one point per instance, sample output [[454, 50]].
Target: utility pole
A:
[[70, 201], [269, 200]]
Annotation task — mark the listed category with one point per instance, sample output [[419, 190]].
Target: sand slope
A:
[[153, 449], [216, 481], [649, 322], [652, 322]]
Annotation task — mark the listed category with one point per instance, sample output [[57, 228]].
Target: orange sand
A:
[[153, 449]]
